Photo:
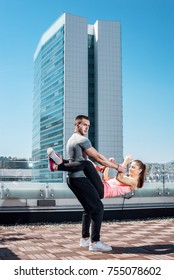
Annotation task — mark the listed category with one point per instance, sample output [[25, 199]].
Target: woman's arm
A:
[[105, 176], [122, 178], [132, 182], [126, 161]]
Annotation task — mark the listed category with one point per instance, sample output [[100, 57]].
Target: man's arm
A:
[[93, 153]]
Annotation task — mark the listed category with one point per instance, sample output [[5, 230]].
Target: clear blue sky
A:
[[147, 69]]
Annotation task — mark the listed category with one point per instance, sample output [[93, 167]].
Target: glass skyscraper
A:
[[77, 70]]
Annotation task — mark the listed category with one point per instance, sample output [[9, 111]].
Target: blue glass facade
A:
[[48, 105]]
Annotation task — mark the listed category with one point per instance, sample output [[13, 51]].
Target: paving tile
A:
[[131, 240]]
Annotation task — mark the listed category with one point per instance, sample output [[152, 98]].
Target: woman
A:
[[116, 186], [122, 184]]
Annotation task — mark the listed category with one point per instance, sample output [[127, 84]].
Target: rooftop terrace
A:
[[130, 240]]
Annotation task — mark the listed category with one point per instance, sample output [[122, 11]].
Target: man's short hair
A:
[[79, 119]]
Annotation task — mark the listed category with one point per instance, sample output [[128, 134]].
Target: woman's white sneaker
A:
[[54, 156], [100, 247]]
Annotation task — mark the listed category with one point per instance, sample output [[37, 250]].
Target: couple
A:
[[86, 184]]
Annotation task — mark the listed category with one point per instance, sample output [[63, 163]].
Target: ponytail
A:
[[142, 174]]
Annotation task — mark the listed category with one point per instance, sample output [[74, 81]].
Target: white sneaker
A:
[[54, 156], [85, 242], [99, 247]]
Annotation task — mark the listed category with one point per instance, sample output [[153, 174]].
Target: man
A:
[[78, 148]]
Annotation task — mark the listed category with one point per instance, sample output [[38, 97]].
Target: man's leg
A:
[[86, 216], [90, 200]]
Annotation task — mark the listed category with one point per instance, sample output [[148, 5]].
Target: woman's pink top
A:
[[113, 187]]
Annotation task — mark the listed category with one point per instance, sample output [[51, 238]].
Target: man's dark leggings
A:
[[89, 171], [89, 198]]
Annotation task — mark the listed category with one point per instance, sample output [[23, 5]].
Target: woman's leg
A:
[[89, 171], [85, 165], [72, 166]]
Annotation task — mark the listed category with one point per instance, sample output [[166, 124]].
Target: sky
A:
[[147, 32]]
